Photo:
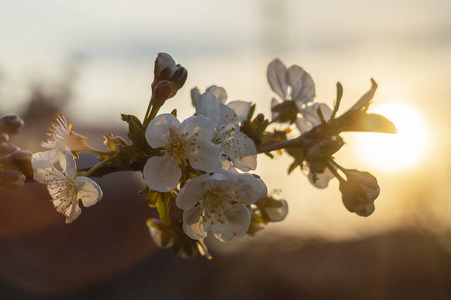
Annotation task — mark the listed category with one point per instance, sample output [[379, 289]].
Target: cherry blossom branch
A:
[[298, 142], [105, 170]]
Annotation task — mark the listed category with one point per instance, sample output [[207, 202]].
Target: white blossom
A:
[[61, 137], [65, 188], [292, 83], [238, 147], [297, 85], [181, 144], [220, 203]]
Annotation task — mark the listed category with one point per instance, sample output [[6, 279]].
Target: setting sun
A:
[[394, 151]]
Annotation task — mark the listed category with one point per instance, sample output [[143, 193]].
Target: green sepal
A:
[[152, 197], [163, 208], [269, 155], [257, 224], [251, 112], [298, 155], [167, 234], [293, 166]]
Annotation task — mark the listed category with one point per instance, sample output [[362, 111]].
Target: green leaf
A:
[[135, 131], [371, 123]]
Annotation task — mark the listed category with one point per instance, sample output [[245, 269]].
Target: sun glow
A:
[[395, 151]]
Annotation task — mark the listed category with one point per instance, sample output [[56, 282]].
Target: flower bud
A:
[[18, 160], [178, 79], [359, 192], [11, 179], [162, 92], [4, 137], [11, 124], [7, 147], [165, 67], [276, 210]]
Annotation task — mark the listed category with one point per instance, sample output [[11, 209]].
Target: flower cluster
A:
[[197, 170], [202, 154]]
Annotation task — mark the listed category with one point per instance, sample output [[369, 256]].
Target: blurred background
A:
[[94, 61]]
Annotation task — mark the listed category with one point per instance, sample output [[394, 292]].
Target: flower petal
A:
[[208, 106], [68, 164], [241, 109], [250, 189], [219, 92], [274, 103], [227, 165], [192, 192], [159, 130], [221, 179], [241, 150], [227, 118], [44, 159], [161, 174], [198, 127], [310, 117], [277, 73], [89, 192], [322, 180], [205, 156], [303, 87], [235, 225], [193, 224], [72, 213], [195, 94]]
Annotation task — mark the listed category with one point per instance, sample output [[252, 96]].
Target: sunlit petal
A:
[[208, 106], [277, 73], [159, 130], [219, 92], [161, 174], [89, 192], [193, 224]]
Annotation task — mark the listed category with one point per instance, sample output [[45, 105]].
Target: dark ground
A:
[[400, 265]]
